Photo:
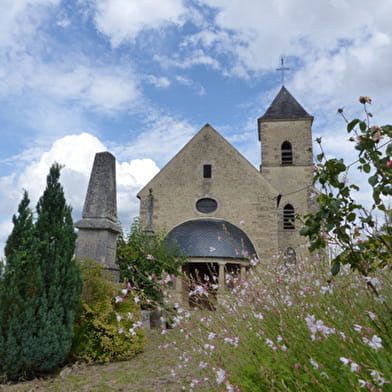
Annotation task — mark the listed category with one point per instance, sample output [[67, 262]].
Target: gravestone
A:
[[98, 229]]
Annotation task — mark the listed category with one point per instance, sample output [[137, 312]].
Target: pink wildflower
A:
[[317, 326], [314, 363], [211, 336], [374, 343], [389, 163], [220, 376], [377, 378]]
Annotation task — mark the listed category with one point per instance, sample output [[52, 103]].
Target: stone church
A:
[[222, 211], [216, 206]]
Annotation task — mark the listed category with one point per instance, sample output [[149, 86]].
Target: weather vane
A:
[[282, 68]]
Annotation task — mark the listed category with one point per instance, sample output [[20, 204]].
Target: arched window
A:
[[287, 153], [290, 256], [288, 217]]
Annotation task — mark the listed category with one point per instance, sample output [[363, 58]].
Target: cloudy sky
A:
[[140, 77]]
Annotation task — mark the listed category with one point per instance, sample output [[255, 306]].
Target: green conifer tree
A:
[[19, 296], [60, 273], [41, 286]]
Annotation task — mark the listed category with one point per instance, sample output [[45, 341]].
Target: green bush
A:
[[143, 258], [360, 235], [108, 326], [40, 287]]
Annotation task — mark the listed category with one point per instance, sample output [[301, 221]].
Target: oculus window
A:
[[206, 205]]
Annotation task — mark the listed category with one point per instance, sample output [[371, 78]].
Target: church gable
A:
[[209, 178], [209, 156]]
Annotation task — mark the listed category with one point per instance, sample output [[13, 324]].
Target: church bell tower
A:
[[287, 161]]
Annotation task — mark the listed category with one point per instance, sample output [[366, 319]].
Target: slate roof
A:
[[212, 238], [285, 106]]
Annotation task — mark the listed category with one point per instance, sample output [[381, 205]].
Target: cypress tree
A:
[[19, 295], [41, 286], [56, 238]]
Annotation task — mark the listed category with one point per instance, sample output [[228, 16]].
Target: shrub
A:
[[361, 236], [143, 257], [108, 326], [41, 286]]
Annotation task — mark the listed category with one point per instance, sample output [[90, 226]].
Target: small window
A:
[[288, 217], [207, 171], [206, 205], [287, 153]]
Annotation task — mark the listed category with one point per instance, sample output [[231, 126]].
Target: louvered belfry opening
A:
[[288, 217], [287, 153]]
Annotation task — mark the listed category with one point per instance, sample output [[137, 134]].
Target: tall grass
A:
[[290, 328]]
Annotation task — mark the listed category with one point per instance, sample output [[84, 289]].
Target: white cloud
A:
[[159, 82], [137, 172], [192, 58], [131, 177], [104, 88], [21, 18], [76, 153], [192, 84], [162, 138], [122, 20]]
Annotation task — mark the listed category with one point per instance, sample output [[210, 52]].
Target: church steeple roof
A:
[[285, 106]]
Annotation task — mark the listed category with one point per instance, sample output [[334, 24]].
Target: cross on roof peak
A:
[[282, 68]]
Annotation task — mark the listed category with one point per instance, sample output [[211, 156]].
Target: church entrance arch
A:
[[214, 248]]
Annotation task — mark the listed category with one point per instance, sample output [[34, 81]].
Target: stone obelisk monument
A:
[[98, 229]]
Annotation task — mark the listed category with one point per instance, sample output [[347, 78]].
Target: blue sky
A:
[[140, 77]]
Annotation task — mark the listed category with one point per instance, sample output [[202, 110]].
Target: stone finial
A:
[[98, 230], [150, 212]]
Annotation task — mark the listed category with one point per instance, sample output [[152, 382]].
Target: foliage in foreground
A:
[[291, 328], [143, 257], [362, 236], [108, 326], [40, 289]]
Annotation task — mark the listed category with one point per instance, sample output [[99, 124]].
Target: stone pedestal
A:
[[98, 229]]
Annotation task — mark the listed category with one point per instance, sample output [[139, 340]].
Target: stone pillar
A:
[[98, 229], [221, 278], [243, 272]]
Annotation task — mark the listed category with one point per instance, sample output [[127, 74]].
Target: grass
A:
[[291, 328], [285, 328], [147, 372]]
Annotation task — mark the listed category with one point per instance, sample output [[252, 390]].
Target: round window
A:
[[206, 205]]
